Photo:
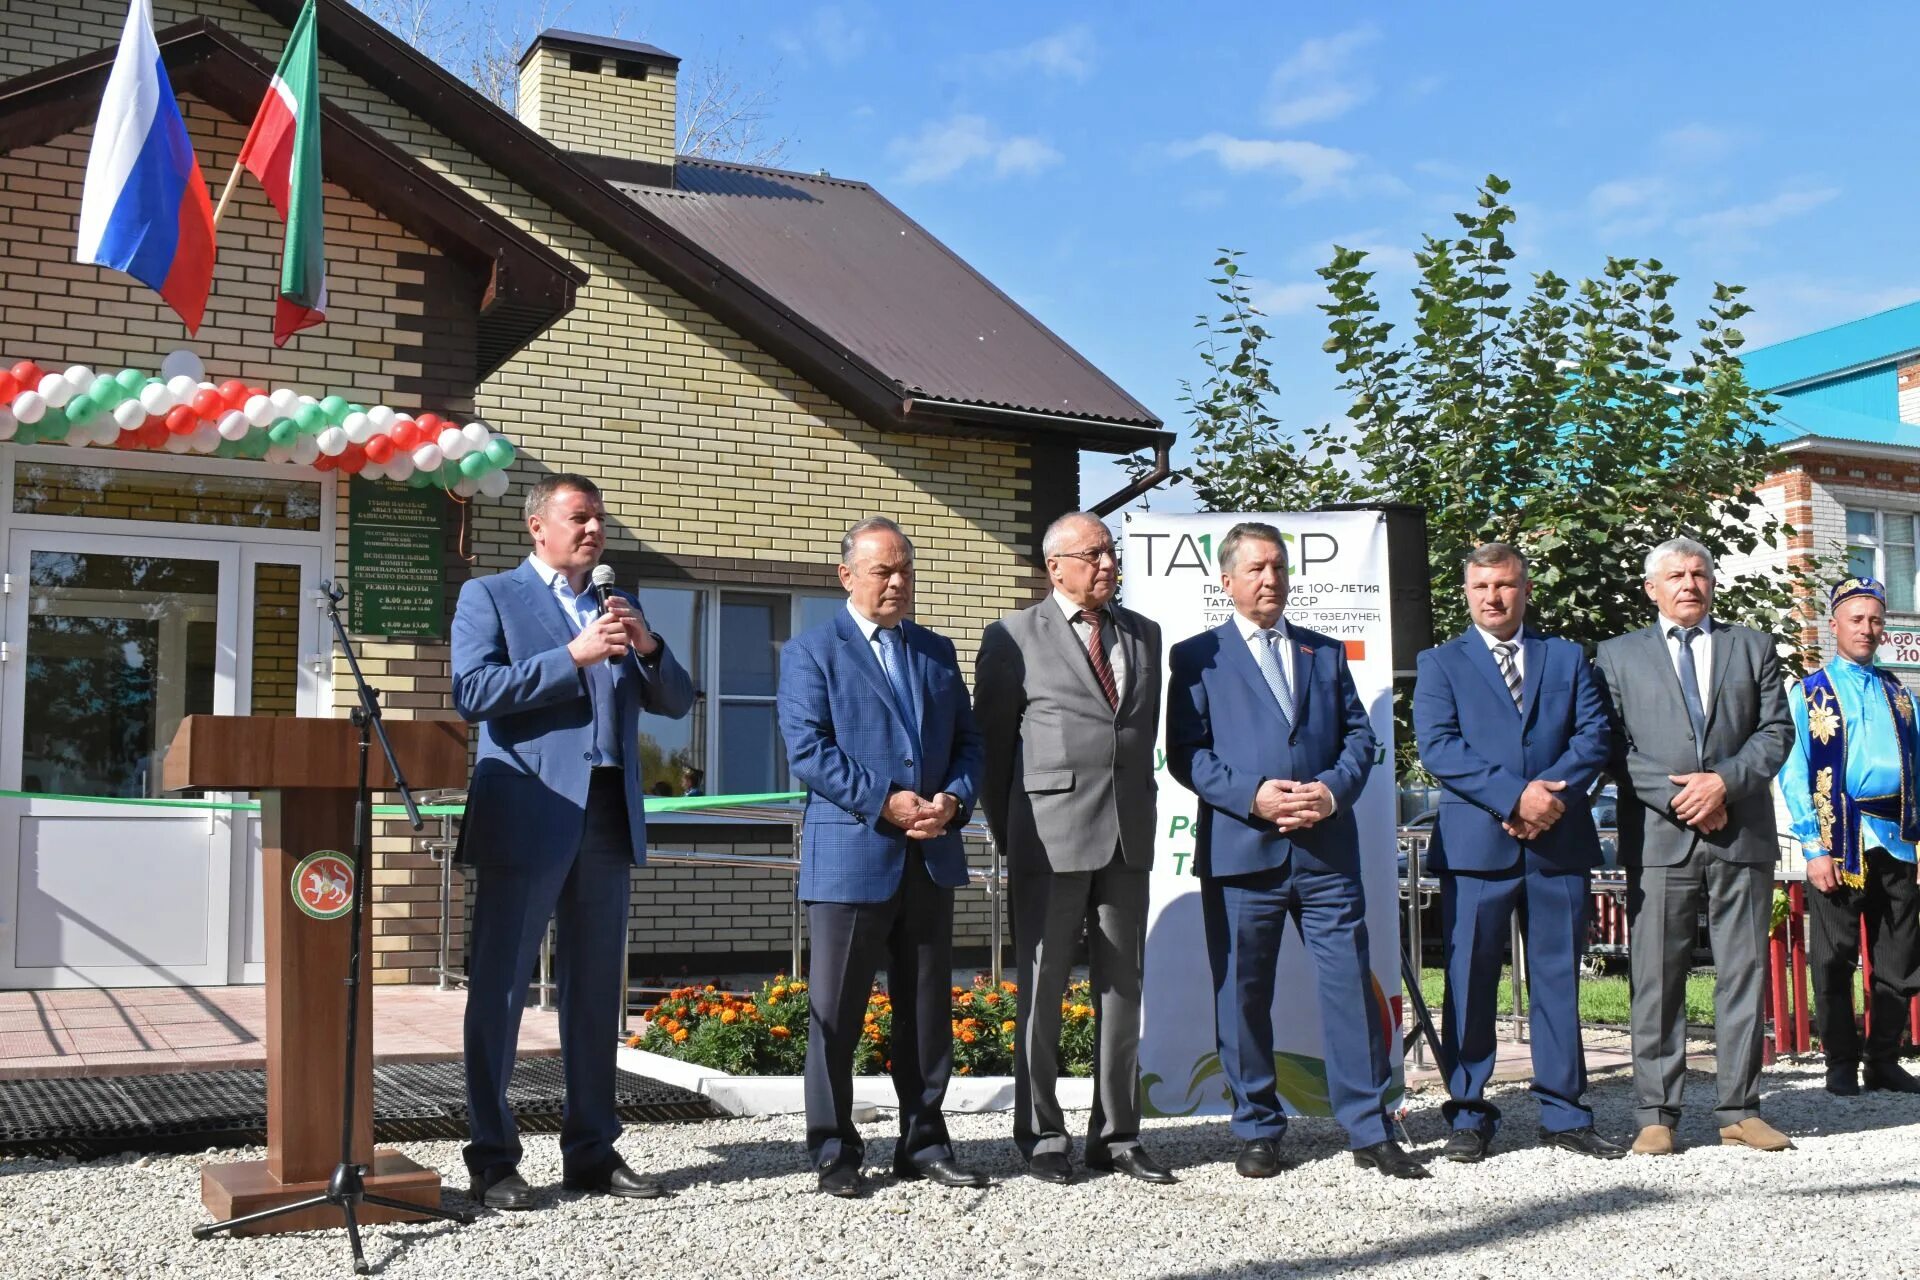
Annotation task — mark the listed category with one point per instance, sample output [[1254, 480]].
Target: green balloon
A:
[[258, 443], [53, 426], [281, 432], [475, 465], [500, 452], [311, 419], [82, 408], [420, 479], [335, 408], [130, 380], [106, 389], [227, 449]]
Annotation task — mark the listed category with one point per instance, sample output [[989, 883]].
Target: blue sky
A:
[[1091, 159]]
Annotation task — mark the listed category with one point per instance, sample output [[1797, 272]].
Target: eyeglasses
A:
[[1092, 556]]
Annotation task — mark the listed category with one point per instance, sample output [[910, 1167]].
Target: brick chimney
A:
[[609, 99]]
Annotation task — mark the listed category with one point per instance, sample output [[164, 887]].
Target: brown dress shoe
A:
[[1756, 1133], [1654, 1140]]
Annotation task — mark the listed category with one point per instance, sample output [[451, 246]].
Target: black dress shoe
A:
[[614, 1179], [1843, 1082], [1260, 1158], [1051, 1166], [843, 1180], [1389, 1159], [501, 1188], [1584, 1142], [1132, 1161], [1467, 1146], [944, 1173], [1888, 1076]]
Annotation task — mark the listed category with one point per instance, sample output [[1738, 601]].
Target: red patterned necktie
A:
[[1098, 654]]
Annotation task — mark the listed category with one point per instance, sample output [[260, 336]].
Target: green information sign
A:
[[396, 580]]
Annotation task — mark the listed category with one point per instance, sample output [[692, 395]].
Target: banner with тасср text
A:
[[1338, 588]]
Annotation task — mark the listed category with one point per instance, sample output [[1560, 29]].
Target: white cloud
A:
[[1694, 144], [944, 147], [1738, 223], [1067, 54], [833, 34], [1623, 195], [1317, 82], [1288, 299], [1318, 169]]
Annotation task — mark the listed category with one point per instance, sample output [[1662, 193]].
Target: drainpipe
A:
[[1162, 468]]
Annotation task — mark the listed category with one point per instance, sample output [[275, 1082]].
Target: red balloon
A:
[[404, 433], [325, 462], [27, 374], [353, 459], [380, 448], [152, 433], [181, 419], [234, 393], [9, 387], [208, 404], [126, 440], [431, 424]]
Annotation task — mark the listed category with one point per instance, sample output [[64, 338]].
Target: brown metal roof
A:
[[841, 256]]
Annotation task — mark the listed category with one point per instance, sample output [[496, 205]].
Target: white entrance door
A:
[[110, 640]]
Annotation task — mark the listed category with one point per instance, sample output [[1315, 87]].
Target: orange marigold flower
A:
[[956, 991], [992, 997], [962, 997], [967, 1037], [780, 1033], [711, 987], [729, 1016], [1007, 1026], [680, 1036], [1008, 987], [778, 993], [962, 1069]]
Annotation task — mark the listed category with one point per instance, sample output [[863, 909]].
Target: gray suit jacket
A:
[[1067, 776], [1748, 736]]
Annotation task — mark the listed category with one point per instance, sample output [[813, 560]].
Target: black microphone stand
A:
[[347, 1188]]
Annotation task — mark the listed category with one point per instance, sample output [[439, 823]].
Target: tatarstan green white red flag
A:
[[283, 151]]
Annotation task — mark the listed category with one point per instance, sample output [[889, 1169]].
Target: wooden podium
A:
[[305, 771]]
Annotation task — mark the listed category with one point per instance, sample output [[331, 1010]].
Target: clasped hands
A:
[[1293, 806], [611, 635], [920, 818], [1702, 802], [1537, 809]]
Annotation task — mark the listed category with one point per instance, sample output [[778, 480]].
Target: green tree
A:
[[1568, 421]]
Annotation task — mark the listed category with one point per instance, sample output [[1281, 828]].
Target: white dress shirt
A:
[[1702, 656], [1519, 650], [1109, 639], [1250, 632], [580, 609]]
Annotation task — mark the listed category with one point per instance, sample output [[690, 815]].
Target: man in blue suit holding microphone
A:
[[879, 728], [556, 674], [1514, 726], [1265, 726]]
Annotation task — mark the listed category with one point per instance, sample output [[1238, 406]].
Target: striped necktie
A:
[[1097, 654], [1509, 670], [1268, 657]]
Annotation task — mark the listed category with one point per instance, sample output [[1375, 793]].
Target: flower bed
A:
[[765, 1032]]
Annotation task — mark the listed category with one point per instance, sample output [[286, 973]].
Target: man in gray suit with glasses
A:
[[1700, 727], [1067, 695]]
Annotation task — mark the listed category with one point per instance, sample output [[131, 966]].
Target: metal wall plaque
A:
[[396, 578]]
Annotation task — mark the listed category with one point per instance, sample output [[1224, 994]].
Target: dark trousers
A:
[[1476, 912], [585, 892], [1888, 902], [911, 933], [1245, 918], [1049, 908]]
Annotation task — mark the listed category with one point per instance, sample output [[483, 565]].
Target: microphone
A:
[[603, 592]]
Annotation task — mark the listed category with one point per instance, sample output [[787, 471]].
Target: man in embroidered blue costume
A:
[[1850, 785]]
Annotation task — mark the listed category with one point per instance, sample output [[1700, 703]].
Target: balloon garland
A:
[[180, 411]]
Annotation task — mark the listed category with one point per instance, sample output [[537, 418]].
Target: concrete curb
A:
[[782, 1095]]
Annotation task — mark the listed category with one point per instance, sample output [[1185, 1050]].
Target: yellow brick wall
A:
[[705, 445], [599, 111]]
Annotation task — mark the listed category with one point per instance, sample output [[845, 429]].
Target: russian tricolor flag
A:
[[144, 209]]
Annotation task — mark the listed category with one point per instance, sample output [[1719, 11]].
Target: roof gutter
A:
[[1109, 437], [1162, 468]]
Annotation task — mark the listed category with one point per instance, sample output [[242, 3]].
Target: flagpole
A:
[[226, 193]]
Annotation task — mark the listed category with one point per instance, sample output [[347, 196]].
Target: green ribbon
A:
[[655, 804]]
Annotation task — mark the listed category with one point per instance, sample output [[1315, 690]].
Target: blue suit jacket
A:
[[513, 676], [1225, 736], [847, 743], [1484, 753]]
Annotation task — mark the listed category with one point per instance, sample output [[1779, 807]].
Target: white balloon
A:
[[182, 363], [104, 430], [307, 399], [258, 410], [205, 438], [453, 445], [56, 390], [332, 442], [466, 486], [305, 450], [477, 436], [156, 397], [233, 425], [428, 457], [29, 406], [79, 375], [284, 399], [358, 426], [494, 483], [177, 444], [183, 387], [8, 423], [374, 470], [399, 466], [128, 414], [381, 417], [78, 437], [281, 452]]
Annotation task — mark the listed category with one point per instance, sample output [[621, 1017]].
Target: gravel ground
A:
[[743, 1206]]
